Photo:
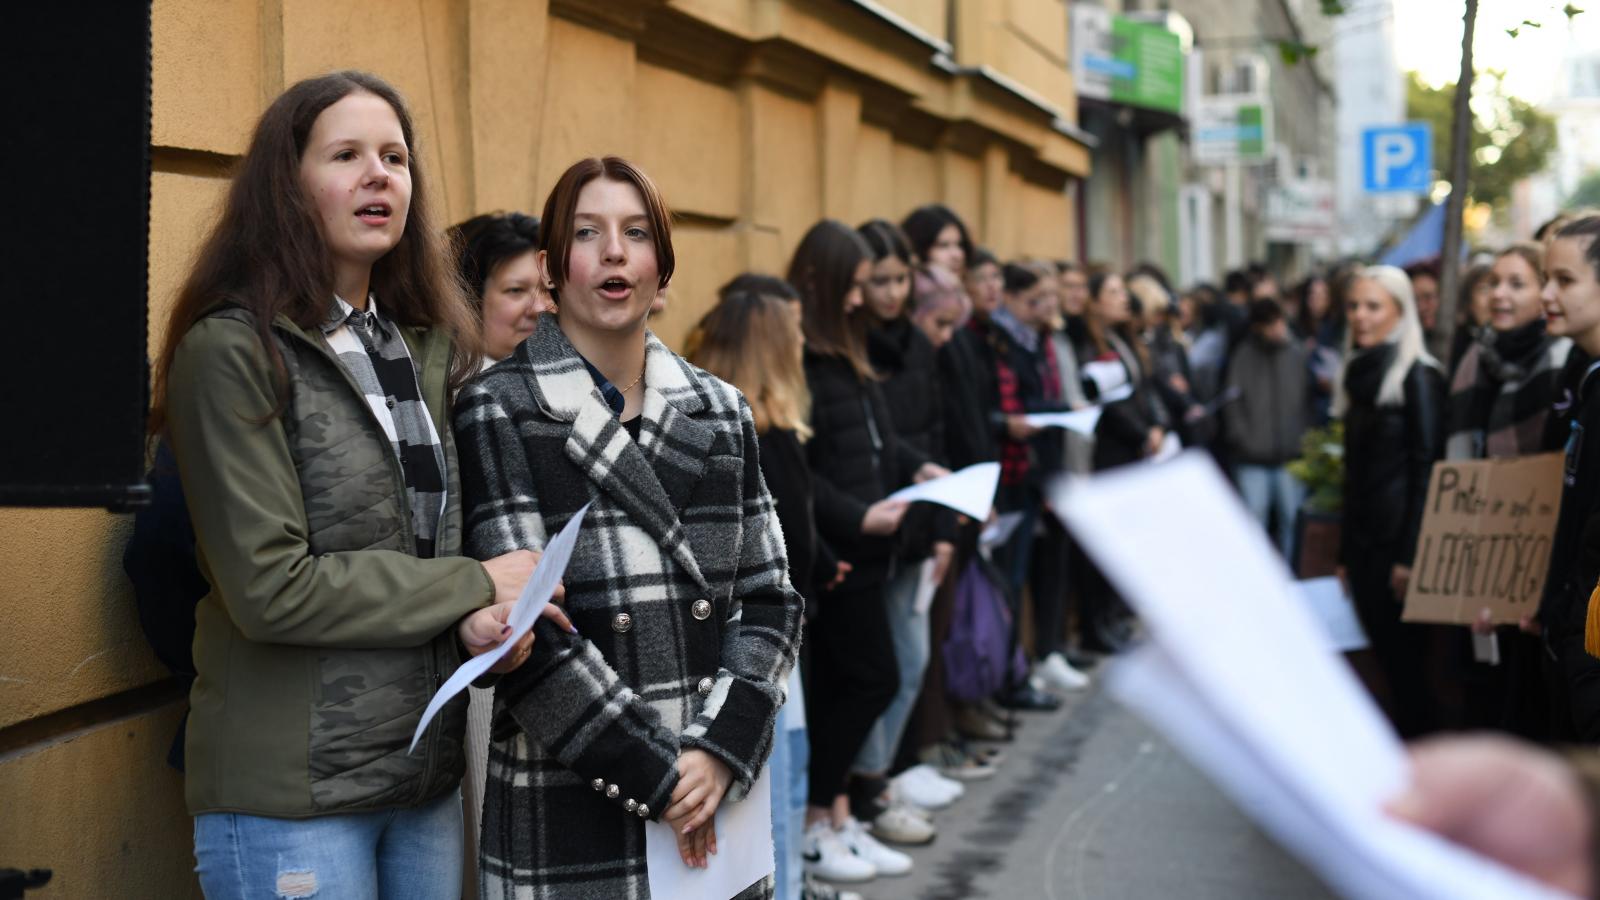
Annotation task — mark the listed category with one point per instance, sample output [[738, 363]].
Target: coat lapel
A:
[[632, 474]]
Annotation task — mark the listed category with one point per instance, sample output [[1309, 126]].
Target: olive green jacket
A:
[[323, 636]]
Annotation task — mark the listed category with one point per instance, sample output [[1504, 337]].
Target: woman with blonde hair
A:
[[1390, 396]]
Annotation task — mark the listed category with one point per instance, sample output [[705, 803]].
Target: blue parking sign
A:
[[1397, 159]]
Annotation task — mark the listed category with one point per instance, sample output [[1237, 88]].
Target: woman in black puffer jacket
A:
[[857, 460], [1391, 397], [1132, 428]]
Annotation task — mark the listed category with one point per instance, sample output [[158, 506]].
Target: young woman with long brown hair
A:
[[304, 388]]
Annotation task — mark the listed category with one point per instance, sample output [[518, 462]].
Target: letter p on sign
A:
[[1397, 159]]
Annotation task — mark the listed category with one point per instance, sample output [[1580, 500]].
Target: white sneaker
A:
[[918, 791], [903, 825], [828, 857], [887, 862], [811, 889], [931, 775], [1059, 674]]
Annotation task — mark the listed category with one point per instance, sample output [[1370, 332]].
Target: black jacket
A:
[[1575, 553], [783, 465], [970, 397], [1047, 449], [1124, 426], [905, 358], [856, 460], [1389, 453]]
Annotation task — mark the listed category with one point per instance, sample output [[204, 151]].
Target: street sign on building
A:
[[1126, 61], [1231, 128], [1397, 159], [1301, 211]]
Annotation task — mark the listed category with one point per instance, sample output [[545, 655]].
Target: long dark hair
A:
[[923, 225], [823, 271], [885, 239], [266, 253], [483, 242]]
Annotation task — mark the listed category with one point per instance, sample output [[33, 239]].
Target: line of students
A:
[[356, 427]]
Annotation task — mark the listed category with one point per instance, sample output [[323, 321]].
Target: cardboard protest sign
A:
[[1486, 536]]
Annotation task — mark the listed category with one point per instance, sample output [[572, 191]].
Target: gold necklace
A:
[[634, 384]]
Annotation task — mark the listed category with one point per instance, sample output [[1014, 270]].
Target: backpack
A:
[[980, 645], [167, 584]]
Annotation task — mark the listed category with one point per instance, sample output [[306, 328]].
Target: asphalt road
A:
[[1092, 804]]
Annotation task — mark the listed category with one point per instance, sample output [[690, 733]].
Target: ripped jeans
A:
[[395, 854]]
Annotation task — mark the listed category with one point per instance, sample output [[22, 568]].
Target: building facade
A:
[[757, 117]]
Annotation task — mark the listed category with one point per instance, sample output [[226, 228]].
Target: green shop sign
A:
[[1150, 70]]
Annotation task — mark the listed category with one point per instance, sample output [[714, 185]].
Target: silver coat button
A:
[[643, 811], [701, 610], [705, 686], [598, 784], [630, 804], [613, 791], [622, 623]]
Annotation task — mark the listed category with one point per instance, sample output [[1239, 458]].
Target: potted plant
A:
[[1321, 469]]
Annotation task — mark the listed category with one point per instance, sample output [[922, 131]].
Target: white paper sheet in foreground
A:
[[969, 491], [1242, 679], [535, 596], [744, 851]]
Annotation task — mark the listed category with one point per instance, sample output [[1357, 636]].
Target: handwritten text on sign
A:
[[1485, 542]]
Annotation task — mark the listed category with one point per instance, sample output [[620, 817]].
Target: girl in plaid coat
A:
[[661, 706]]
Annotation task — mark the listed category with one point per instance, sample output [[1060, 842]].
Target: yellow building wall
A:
[[756, 117]]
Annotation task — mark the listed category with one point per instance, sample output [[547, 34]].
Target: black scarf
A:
[[1363, 377], [1509, 355]]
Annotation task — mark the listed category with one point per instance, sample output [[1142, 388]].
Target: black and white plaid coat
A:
[[687, 624]]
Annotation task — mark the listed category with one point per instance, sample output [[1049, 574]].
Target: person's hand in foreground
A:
[[1512, 802]]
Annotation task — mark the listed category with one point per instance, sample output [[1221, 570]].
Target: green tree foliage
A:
[[1587, 196], [1511, 139]]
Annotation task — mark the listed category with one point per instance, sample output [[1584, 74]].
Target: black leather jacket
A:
[[1389, 456]]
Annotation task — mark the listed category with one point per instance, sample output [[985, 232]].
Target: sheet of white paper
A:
[[926, 587], [1116, 394], [1080, 420], [1107, 376], [1486, 648], [744, 851], [1000, 531], [1171, 446], [794, 703], [1290, 730], [969, 491], [1332, 607], [535, 596], [1370, 856]]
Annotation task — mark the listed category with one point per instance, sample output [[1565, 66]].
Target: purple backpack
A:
[[980, 637]]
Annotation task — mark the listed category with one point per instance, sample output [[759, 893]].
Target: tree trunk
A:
[[1455, 206]]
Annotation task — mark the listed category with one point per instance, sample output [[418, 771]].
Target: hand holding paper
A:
[[969, 491], [535, 595], [1240, 676]]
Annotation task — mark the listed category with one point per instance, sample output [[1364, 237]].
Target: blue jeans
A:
[[397, 854], [791, 755], [912, 643], [1268, 488]]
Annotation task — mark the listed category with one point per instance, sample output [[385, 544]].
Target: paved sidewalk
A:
[[1092, 804]]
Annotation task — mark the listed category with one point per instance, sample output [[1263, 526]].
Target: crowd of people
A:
[[376, 423]]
